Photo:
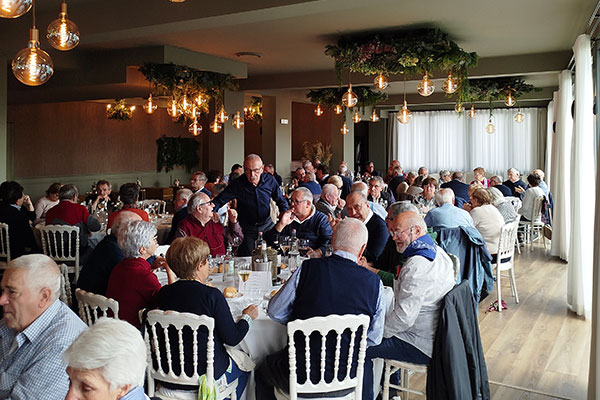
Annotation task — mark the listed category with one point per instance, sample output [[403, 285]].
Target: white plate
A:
[[269, 295]]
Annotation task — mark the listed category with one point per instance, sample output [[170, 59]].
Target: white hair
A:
[[135, 235], [513, 170], [306, 193], [184, 194], [399, 207], [444, 196], [350, 235], [253, 157], [497, 196], [121, 220], [42, 272], [196, 200], [360, 187], [113, 346], [329, 188]]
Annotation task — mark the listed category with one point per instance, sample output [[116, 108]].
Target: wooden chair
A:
[[65, 286], [160, 347], [4, 245], [61, 243], [154, 206], [406, 371], [505, 259], [93, 306], [325, 326], [534, 225]]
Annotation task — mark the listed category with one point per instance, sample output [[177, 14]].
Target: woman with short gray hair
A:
[[132, 282]]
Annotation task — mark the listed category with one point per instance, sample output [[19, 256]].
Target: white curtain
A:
[[561, 167], [579, 280], [549, 137], [443, 140], [554, 157]]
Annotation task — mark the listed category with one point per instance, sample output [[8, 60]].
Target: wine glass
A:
[[235, 242], [284, 243], [303, 247], [244, 271]]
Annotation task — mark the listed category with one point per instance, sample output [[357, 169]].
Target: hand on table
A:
[[251, 311]]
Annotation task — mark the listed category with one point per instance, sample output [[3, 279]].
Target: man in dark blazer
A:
[[459, 187], [357, 206]]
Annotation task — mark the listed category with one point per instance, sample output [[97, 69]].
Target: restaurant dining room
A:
[[181, 181]]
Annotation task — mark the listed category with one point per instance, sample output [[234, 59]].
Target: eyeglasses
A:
[[298, 201], [397, 233], [375, 186], [255, 170], [205, 203]]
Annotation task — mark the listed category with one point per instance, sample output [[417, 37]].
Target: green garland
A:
[[172, 151], [119, 111], [495, 89], [330, 97]]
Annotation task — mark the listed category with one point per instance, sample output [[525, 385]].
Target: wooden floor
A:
[[536, 349]]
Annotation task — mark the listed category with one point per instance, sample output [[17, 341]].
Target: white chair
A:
[[406, 371], [159, 348], [61, 243], [154, 205], [534, 225], [505, 259], [65, 286], [324, 326], [93, 306], [515, 202], [4, 245]]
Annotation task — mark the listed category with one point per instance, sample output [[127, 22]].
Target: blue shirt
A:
[[313, 186], [137, 393], [253, 202], [35, 370], [448, 216]]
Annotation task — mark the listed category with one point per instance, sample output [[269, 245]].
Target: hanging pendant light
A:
[[63, 34], [194, 113], [237, 121], [510, 99], [425, 87], [450, 85], [349, 99], [380, 82], [14, 8], [471, 113], [374, 117], [201, 99], [32, 66], [344, 129], [318, 111], [490, 127], [150, 106], [356, 117], [173, 109], [185, 105], [338, 109], [215, 127], [519, 117], [459, 107], [195, 128], [405, 115], [222, 116]]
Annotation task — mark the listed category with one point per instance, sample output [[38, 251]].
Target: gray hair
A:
[[350, 235], [444, 196], [377, 178], [196, 200], [457, 175], [540, 173], [201, 176], [444, 172], [67, 192], [135, 235], [400, 207], [497, 179], [122, 218], [416, 220], [113, 346], [184, 194], [329, 188], [513, 170], [42, 272], [253, 157], [411, 174], [306, 163], [360, 194], [360, 187], [497, 196], [306, 194]]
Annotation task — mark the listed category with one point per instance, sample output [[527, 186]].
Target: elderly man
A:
[[35, 330], [390, 170], [253, 191], [321, 287], [543, 184], [69, 212], [377, 192], [423, 171], [421, 284], [104, 196], [445, 176], [322, 174], [310, 182], [308, 166], [270, 169], [515, 184], [198, 181], [181, 211], [199, 223], [396, 178], [357, 206], [446, 215], [129, 194], [309, 223], [330, 202], [298, 176], [377, 208], [459, 187], [496, 181]]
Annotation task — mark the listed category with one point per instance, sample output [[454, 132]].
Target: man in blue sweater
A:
[[322, 287]]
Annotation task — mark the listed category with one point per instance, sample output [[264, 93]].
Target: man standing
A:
[[459, 187], [321, 287], [346, 181], [515, 184], [253, 191], [330, 202], [35, 330], [198, 181], [358, 207], [446, 215], [419, 287], [181, 211]]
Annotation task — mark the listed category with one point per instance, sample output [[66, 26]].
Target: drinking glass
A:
[[284, 243], [235, 242], [244, 272], [303, 247]]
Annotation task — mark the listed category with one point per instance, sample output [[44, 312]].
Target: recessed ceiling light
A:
[[248, 54]]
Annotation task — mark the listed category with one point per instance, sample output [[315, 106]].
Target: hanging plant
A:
[[119, 110], [330, 97], [172, 151], [494, 89]]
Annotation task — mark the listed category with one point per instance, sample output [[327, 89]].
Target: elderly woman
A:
[[506, 209], [487, 218], [47, 202], [132, 282], [107, 362], [188, 257], [425, 201], [480, 178], [531, 194], [16, 211]]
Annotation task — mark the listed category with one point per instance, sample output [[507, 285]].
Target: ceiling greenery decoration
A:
[[330, 97]]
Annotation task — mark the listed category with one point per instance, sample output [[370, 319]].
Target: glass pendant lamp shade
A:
[[405, 115], [344, 129], [510, 99], [380, 82], [374, 117], [222, 116], [150, 106], [185, 104], [63, 34], [449, 86], [32, 66], [356, 117], [14, 8], [195, 128], [349, 99], [490, 128], [318, 111], [201, 99], [425, 87], [471, 113], [519, 117], [338, 109], [459, 107], [215, 127], [237, 121], [173, 109]]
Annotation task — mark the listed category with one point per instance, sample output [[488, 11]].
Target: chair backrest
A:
[[506, 243], [325, 326], [515, 202], [4, 242], [159, 346], [93, 306], [65, 285], [536, 210], [61, 242], [455, 265], [153, 206]]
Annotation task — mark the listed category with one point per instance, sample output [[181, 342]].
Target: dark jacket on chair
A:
[[458, 369]]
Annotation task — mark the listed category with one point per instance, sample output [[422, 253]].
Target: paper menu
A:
[[258, 283]]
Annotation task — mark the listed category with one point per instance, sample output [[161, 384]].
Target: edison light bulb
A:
[[237, 121], [14, 8], [519, 117], [356, 117], [200, 99], [449, 86], [318, 111], [132, 108], [150, 105], [425, 86], [380, 82], [215, 127], [349, 99], [185, 104], [405, 115], [32, 65], [510, 100], [374, 117], [63, 34], [471, 113], [344, 129], [338, 109], [222, 116], [195, 128], [173, 109], [490, 128], [459, 107]]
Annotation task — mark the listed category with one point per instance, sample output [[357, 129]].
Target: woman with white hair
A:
[[107, 362], [499, 201], [132, 282]]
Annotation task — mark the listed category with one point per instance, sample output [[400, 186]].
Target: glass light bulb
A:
[[425, 87], [201, 99], [193, 113], [380, 82], [344, 129], [490, 128], [32, 66], [195, 128], [471, 113], [63, 34], [14, 8], [349, 99], [318, 111], [338, 109], [510, 100], [519, 117], [356, 117], [374, 117], [132, 108], [108, 107], [459, 107], [185, 104], [237, 121], [173, 109], [450, 85], [222, 116], [215, 127], [405, 115], [150, 106]]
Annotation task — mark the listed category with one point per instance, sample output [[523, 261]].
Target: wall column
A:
[[230, 150], [269, 130], [283, 134], [3, 119], [348, 142]]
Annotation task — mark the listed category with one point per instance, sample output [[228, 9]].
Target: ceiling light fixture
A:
[[14, 8], [344, 129], [237, 121], [490, 127], [425, 87], [510, 99], [63, 34], [380, 82], [195, 128], [450, 85], [150, 106], [374, 117], [459, 108], [338, 109], [405, 115], [471, 113], [519, 116], [349, 99], [356, 117], [248, 54], [173, 109]]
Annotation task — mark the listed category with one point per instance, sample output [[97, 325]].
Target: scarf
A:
[[423, 246]]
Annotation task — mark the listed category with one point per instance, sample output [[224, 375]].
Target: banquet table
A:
[[163, 226]]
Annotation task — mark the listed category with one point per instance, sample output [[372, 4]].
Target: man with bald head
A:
[[420, 285], [36, 329], [358, 207], [253, 191], [446, 215]]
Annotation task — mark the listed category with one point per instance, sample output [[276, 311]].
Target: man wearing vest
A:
[[321, 287]]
